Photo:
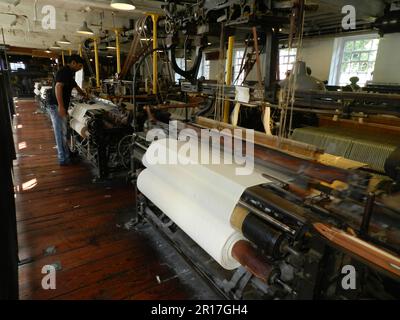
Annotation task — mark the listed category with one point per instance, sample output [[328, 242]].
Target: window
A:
[[286, 60], [236, 67], [204, 69], [181, 64], [14, 66], [355, 57]]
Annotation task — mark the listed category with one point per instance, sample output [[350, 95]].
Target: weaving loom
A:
[[350, 144]]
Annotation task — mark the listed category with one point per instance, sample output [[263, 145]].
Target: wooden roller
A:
[[361, 248], [248, 257], [257, 231]]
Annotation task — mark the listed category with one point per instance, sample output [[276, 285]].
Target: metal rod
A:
[[5, 49], [267, 218], [368, 210], [80, 50], [154, 17], [118, 45], [96, 59], [255, 39]]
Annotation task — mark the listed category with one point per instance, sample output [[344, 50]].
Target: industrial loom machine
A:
[[323, 196], [98, 129], [285, 231]]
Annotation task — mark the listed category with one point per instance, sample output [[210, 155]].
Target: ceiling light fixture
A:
[[55, 46], [64, 40], [111, 47], [84, 29], [47, 50], [125, 5]]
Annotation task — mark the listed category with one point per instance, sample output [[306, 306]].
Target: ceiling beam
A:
[[364, 9], [30, 52]]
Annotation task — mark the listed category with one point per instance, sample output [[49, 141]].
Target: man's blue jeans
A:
[[60, 133]]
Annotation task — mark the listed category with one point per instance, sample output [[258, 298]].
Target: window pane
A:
[[345, 67], [375, 44], [372, 56], [286, 60], [239, 54], [368, 44], [364, 56], [346, 56], [358, 59], [358, 45], [371, 66], [349, 46], [364, 67], [181, 64], [343, 80], [355, 56], [355, 67]]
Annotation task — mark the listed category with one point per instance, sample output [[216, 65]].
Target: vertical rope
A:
[[287, 93]]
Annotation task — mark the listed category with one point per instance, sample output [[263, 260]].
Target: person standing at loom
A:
[[63, 85]]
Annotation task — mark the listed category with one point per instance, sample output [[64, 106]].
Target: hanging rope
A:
[[287, 93], [219, 101]]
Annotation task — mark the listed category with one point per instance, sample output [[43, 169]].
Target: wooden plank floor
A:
[[59, 207]]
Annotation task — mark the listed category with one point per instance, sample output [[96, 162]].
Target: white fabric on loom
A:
[[80, 110], [267, 121], [79, 127], [199, 198], [235, 114]]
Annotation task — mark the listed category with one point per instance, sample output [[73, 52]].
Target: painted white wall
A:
[[318, 53], [387, 66], [253, 73], [214, 69]]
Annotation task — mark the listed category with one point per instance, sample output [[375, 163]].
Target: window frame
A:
[[235, 72], [204, 65], [288, 63], [17, 65], [181, 64], [338, 54]]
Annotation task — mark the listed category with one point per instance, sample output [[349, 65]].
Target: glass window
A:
[[286, 60], [237, 63], [14, 66], [357, 60], [181, 64], [204, 69]]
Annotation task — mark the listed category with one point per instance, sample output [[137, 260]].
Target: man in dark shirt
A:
[[63, 85]]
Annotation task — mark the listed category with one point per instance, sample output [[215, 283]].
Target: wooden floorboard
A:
[[60, 208]]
